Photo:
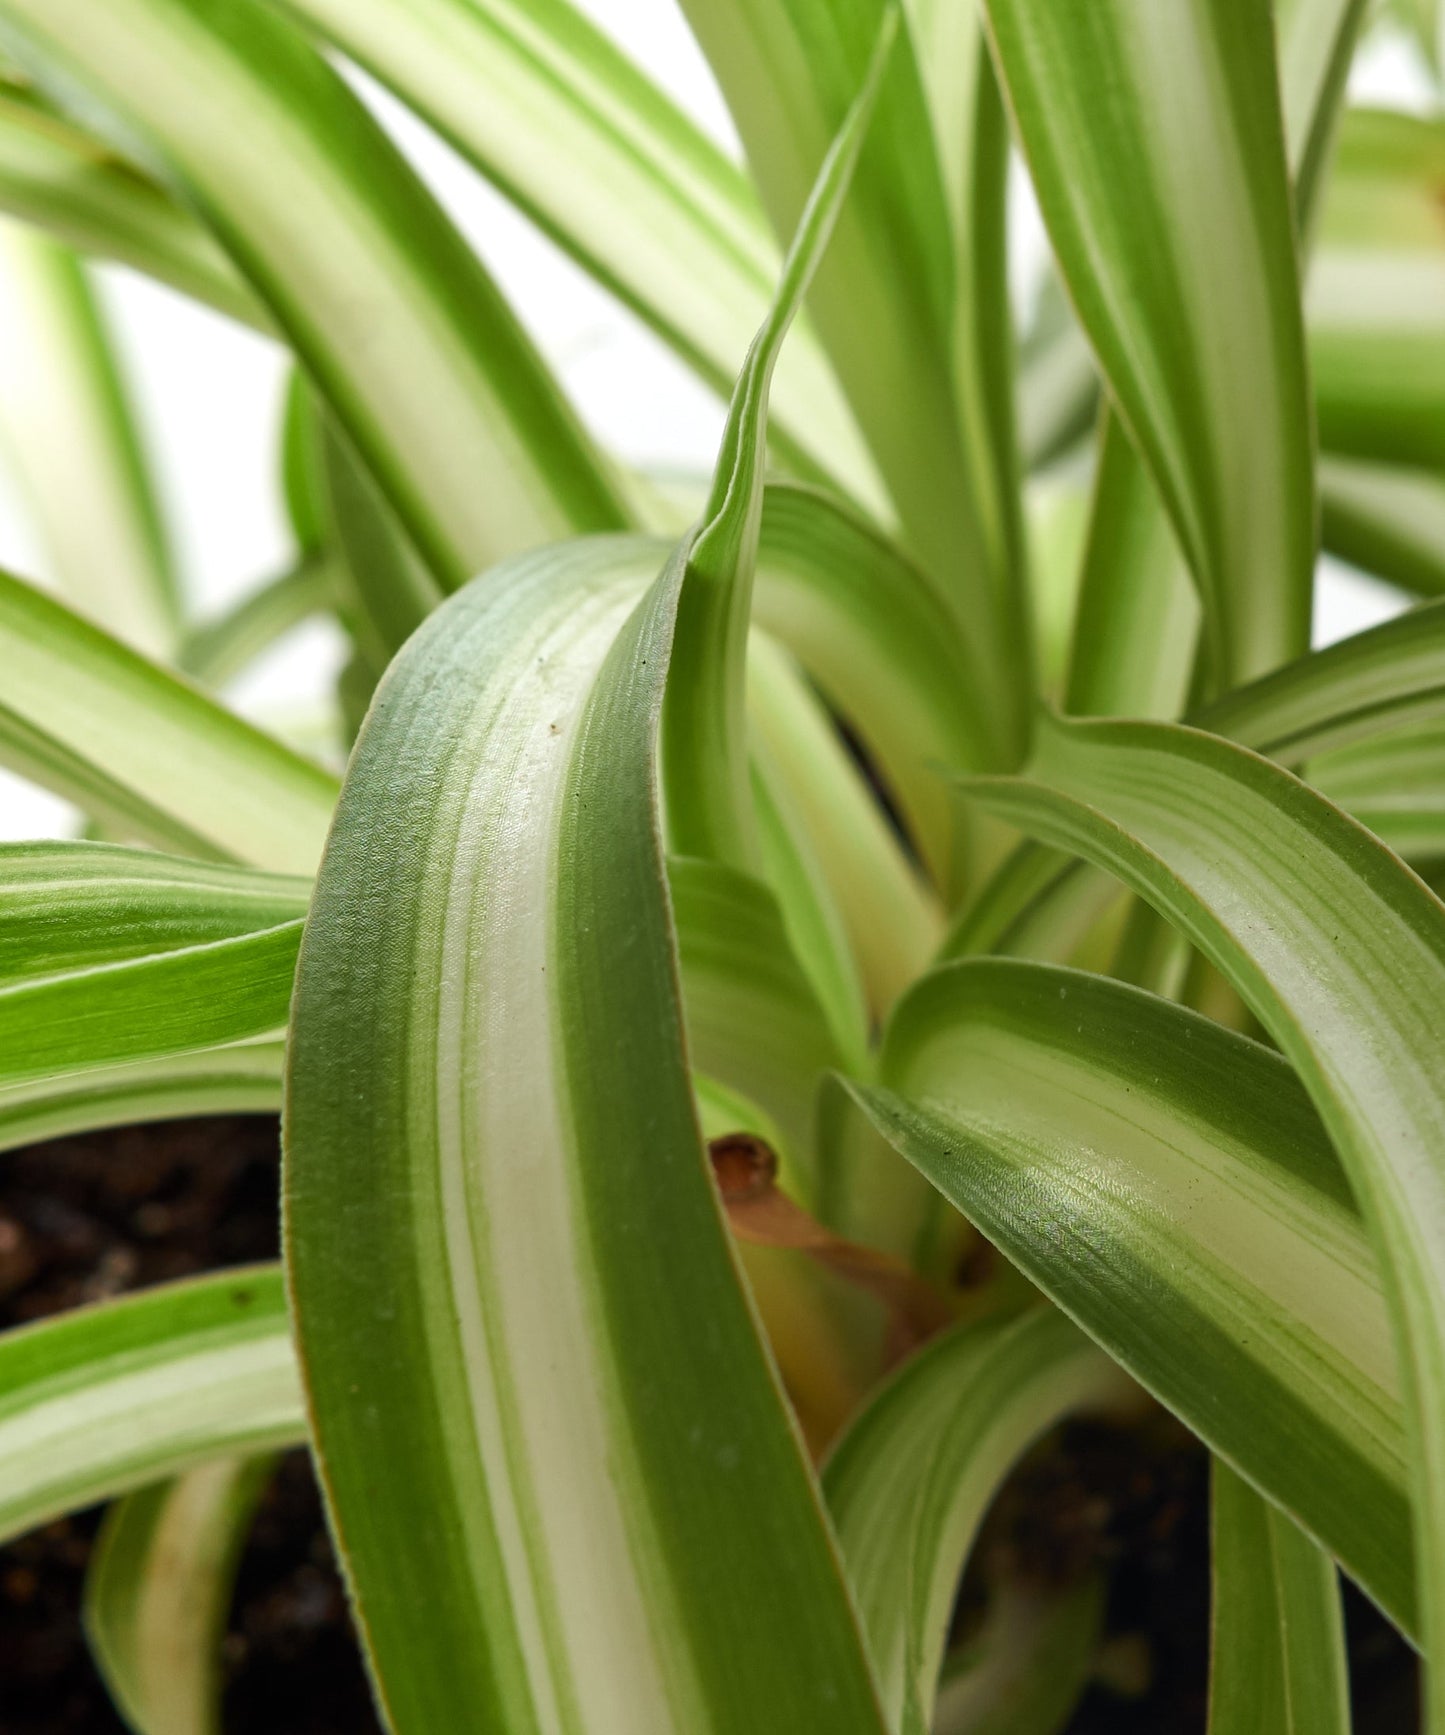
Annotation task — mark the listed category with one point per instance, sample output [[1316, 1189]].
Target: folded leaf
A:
[[607, 1502], [108, 1398], [1167, 1184]]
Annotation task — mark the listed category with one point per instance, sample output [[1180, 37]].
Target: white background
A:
[[208, 393]]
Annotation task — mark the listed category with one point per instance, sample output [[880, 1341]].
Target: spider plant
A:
[[750, 899]]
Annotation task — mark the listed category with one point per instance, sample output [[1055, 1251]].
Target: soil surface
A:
[[84, 1218]]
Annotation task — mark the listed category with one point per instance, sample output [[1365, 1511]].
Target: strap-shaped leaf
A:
[[108, 1398], [608, 1501], [1338, 950], [1029, 1665], [1120, 106], [111, 955], [1386, 520], [158, 1590], [910, 1482], [428, 370], [871, 631], [1376, 299], [63, 179], [1394, 784], [1278, 1645], [1369, 684], [141, 749], [545, 105], [1167, 1184], [239, 1078], [217, 649], [709, 793], [884, 300], [72, 444]]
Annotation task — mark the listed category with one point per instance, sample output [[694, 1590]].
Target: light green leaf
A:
[[142, 750], [911, 1480], [1136, 627], [217, 650], [241, 1078], [534, 95], [1386, 520], [72, 443], [1029, 1666], [1278, 1645], [890, 917], [607, 1504], [1376, 301], [1167, 1184], [158, 1590], [427, 370], [111, 1397], [1339, 951], [873, 635], [63, 179], [705, 751], [884, 301], [1368, 684], [1157, 150], [1394, 784]]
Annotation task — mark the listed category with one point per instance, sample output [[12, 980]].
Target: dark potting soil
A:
[[85, 1218]]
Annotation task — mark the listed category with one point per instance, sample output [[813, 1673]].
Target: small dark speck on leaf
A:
[[243, 1297]]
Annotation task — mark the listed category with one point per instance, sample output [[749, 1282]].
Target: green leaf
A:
[[540, 100], [158, 1591], [108, 1398], [1166, 1182], [1368, 684], [1136, 628], [1338, 950], [1386, 520], [139, 748], [1278, 1645], [705, 754], [72, 444], [606, 1503], [217, 650], [428, 370], [911, 1480], [1394, 784], [241, 1078], [1029, 1666], [884, 302], [63, 179], [1156, 146], [111, 955], [890, 917], [1376, 301], [872, 633]]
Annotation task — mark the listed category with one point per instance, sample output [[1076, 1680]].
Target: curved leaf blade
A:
[[1166, 1182], [579, 1459], [1339, 951], [1157, 149], [426, 367], [108, 1398], [138, 747]]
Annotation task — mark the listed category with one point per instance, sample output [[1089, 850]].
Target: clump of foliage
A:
[[746, 902]]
